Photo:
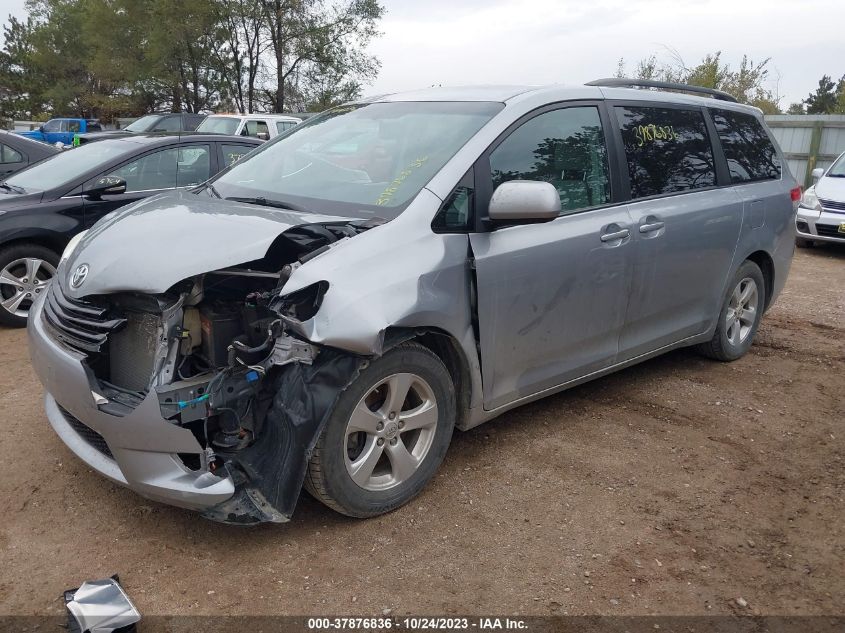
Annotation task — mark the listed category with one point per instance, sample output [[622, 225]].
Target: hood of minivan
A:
[[151, 245], [831, 188]]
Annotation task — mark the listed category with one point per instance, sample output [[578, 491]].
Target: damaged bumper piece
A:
[[100, 606], [199, 397]]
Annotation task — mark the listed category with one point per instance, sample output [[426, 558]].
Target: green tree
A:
[[839, 107], [747, 83], [242, 55], [20, 90], [823, 99], [105, 58], [314, 39], [57, 58]]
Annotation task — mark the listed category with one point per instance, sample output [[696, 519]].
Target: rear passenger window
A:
[[256, 129], [748, 149], [667, 150], [564, 147], [194, 165], [232, 153], [9, 155]]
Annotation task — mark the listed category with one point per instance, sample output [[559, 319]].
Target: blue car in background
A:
[[63, 130]]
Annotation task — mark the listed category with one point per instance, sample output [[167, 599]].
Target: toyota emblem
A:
[[79, 276]]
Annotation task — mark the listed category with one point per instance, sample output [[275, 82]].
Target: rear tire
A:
[[386, 436], [739, 318], [25, 270]]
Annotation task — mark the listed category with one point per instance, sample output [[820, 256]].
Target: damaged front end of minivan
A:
[[254, 393], [193, 349], [221, 354]]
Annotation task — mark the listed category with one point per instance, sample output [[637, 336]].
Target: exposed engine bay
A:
[[220, 352]]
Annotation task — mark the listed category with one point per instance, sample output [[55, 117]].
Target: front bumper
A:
[[822, 226], [139, 450]]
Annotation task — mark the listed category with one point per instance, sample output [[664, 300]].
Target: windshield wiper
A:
[[836, 175], [9, 187], [264, 202]]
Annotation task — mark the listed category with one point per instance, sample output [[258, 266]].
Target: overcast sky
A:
[[460, 42]]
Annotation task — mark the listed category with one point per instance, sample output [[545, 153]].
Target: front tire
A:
[[740, 315], [802, 242], [386, 436], [25, 270]]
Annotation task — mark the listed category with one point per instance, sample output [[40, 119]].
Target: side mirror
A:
[[525, 200], [264, 136], [107, 186], [818, 172]]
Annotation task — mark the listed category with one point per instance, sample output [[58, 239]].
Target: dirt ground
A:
[[674, 487]]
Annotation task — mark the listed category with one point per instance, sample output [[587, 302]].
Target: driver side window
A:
[[150, 172], [564, 147]]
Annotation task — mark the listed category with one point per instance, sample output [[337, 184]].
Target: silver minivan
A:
[[328, 309]]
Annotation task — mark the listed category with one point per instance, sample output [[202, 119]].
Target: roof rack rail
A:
[[617, 82]]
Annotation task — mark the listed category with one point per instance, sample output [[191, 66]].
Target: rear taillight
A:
[[795, 195]]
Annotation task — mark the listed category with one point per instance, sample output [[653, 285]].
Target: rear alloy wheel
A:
[[25, 270], [386, 436], [740, 316]]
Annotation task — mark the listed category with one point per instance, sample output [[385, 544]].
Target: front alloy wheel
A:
[[391, 432], [387, 434], [25, 271]]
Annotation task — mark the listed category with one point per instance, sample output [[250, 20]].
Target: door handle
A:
[[616, 235], [653, 226]]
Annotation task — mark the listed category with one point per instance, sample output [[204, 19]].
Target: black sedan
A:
[[44, 206], [149, 124], [17, 152]]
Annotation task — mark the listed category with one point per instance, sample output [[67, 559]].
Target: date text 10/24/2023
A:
[[417, 623]]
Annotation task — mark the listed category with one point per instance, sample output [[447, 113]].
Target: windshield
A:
[[67, 166], [358, 160], [219, 125], [838, 168], [142, 124]]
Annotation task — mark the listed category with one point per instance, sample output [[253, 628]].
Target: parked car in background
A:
[[327, 310], [17, 152], [821, 215], [62, 130], [263, 126], [147, 124], [44, 206]]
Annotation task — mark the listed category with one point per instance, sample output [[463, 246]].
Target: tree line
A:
[[828, 98], [748, 83], [108, 58]]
